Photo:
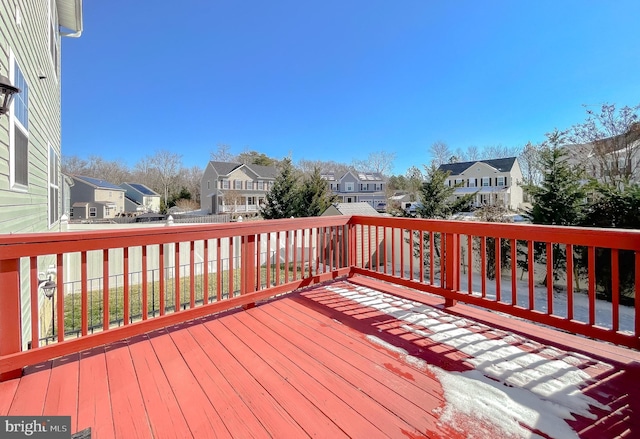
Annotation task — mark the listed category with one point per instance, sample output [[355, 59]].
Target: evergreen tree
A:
[[315, 196], [283, 199], [435, 196], [613, 208], [559, 200]]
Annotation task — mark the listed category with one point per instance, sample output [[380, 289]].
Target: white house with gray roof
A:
[[229, 187], [92, 198], [356, 187], [495, 182]]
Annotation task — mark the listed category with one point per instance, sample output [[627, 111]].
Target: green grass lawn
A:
[[73, 301]]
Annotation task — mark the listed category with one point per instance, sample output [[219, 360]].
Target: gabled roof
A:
[[97, 183], [502, 165], [361, 208], [226, 168], [364, 176], [144, 190]]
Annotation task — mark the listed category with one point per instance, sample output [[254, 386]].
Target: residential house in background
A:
[[228, 187], [139, 198], [356, 187], [30, 133], [92, 198], [613, 160], [496, 182]]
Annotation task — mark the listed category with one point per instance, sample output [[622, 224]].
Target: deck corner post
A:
[[10, 333]]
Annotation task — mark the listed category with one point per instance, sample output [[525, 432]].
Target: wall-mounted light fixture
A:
[[7, 90]]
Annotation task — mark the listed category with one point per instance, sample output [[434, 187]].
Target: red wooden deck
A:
[[316, 363]]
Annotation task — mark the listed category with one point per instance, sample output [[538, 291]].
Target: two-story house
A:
[[495, 182], [228, 187], [92, 198], [356, 187], [139, 198], [31, 183]]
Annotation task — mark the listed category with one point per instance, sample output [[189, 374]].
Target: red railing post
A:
[[10, 327], [452, 265], [248, 254]]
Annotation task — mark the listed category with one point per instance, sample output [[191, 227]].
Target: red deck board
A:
[[127, 405], [237, 417], [7, 392], [393, 390], [314, 383], [94, 399], [281, 388], [165, 416], [32, 391], [62, 393], [275, 419], [197, 408]]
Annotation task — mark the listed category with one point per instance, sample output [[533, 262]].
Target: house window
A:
[[208, 184], [93, 212], [501, 181], [378, 186], [237, 184], [486, 181], [261, 185], [19, 127], [251, 201], [54, 191], [472, 182], [459, 181], [225, 184], [348, 187]]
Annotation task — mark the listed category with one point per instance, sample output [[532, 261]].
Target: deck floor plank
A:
[[94, 398], [237, 417], [127, 404], [32, 391], [389, 383], [281, 388], [203, 419], [165, 415], [62, 393], [275, 419], [8, 391], [315, 383]]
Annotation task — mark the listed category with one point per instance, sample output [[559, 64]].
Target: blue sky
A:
[[335, 79]]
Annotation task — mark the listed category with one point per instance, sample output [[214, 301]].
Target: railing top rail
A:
[[35, 244], [583, 236]]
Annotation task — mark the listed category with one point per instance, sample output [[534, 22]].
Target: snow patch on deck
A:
[[509, 387]]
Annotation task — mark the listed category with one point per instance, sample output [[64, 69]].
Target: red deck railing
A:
[[116, 284]]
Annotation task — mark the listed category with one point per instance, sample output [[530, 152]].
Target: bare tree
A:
[[610, 138], [440, 153], [529, 160], [190, 179], [74, 165], [223, 154], [167, 165], [500, 152], [473, 153], [328, 166], [377, 161]]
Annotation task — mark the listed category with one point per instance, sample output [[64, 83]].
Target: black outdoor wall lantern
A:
[[6, 94]]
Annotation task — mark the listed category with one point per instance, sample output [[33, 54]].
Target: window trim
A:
[[51, 184], [486, 180], [15, 123], [504, 181], [93, 210]]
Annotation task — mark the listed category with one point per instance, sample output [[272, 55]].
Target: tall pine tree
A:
[[558, 200], [315, 196], [283, 199], [435, 196]]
